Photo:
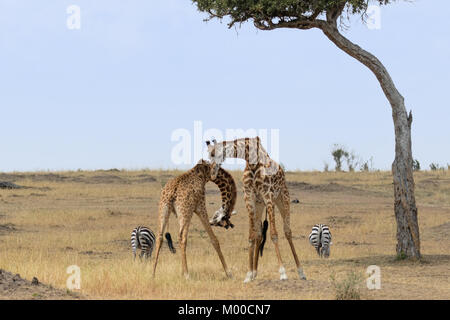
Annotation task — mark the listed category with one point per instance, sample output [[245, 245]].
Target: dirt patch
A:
[[122, 243], [441, 231], [105, 179], [12, 286], [7, 228], [336, 221], [355, 243], [116, 213], [293, 285], [330, 187], [9, 186], [103, 255], [144, 178]]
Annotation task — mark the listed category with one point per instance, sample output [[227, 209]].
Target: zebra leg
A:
[[150, 251]]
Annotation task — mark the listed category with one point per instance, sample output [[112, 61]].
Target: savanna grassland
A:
[[85, 218]]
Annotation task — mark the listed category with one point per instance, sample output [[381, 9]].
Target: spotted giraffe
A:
[[228, 191], [264, 186], [184, 195]]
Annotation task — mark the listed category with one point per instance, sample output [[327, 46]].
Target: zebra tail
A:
[[169, 242], [264, 232]]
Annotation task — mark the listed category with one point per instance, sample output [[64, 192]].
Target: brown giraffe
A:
[[228, 191], [264, 186], [183, 196]]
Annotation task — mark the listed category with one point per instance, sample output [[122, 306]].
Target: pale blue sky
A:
[[111, 94]]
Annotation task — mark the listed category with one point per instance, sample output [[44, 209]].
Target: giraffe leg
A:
[[250, 204], [284, 207], [164, 213], [274, 236], [203, 215], [184, 220], [258, 231]]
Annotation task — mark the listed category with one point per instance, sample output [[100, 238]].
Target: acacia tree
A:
[[327, 16]]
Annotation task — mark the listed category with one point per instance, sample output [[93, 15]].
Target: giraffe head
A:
[[203, 168]]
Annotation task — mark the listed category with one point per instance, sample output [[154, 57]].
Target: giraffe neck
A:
[[228, 191], [248, 149]]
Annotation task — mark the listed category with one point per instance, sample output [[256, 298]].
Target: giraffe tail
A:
[[265, 226], [170, 243]]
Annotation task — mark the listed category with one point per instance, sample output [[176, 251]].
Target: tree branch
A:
[[330, 29], [304, 24]]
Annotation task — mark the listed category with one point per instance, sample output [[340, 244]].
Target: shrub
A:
[[338, 152], [366, 165], [416, 165], [351, 160], [349, 288], [435, 167]]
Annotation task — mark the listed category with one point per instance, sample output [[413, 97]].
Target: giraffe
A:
[[184, 195], [264, 186], [228, 190]]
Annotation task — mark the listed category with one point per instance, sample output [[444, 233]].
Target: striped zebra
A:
[[320, 238], [143, 238]]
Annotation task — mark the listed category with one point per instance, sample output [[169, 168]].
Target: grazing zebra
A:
[[143, 238], [320, 238]]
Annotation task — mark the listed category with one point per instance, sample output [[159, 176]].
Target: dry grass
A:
[[85, 218]]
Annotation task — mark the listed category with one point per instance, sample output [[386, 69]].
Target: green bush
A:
[[416, 165], [349, 288]]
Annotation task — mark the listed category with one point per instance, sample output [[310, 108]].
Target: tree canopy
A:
[[271, 14], [324, 14]]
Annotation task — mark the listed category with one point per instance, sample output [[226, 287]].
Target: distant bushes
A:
[[416, 165], [341, 155], [436, 167]]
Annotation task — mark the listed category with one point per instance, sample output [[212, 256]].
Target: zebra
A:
[[143, 238], [320, 238]]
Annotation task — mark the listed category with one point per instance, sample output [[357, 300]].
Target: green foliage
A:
[[416, 165], [401, 256], [243, 10], [338, 152], [435, 167], [351, 160], [366, 165], [348, 288]]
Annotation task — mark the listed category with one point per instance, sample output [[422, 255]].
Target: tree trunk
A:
[[408, 242]]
